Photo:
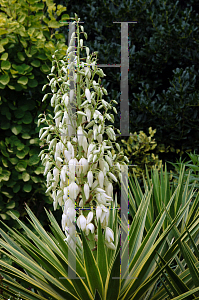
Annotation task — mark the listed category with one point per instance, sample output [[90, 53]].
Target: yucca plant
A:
[[163, 253], [191, 165]]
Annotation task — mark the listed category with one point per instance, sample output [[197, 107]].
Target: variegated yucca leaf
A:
[[163, 251]]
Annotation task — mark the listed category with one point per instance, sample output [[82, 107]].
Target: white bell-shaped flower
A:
[[88, 114], [67, 155], [70, 148], [101, 164], [65, 99], [86, 190], [56, 174], [49, 177], [63, 173], [104, 219], [90, 157], [71, 213], [90, 178], [73, 190], [89, 217], [83, 163], [112, 176], [84, 144], [106, 166], [91, 147], [98, 212], [90, 227], [110, 245], [95, 131], [109, 160], [81, 222], [68, 203], [88, 95], [109, 235], [47, 167], [99, 138], [64, 221], [57, 121], [101, 179], [101, 198], [59, 197], [109, 189]]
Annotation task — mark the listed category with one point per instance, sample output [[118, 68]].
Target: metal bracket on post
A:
[[124, 65]]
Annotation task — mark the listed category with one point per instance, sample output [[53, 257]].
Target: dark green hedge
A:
[[163, 73]]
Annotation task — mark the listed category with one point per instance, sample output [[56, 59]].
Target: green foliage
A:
[[191, 170], [163, 64], [162, 241], [139, 150], [29, 35]]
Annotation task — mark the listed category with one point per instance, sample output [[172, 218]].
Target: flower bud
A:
[[88, 114], [88, 95], [101, 179], [90, 227], [90, 178], [112, 176], [99, 138], [109, 189], [65, 99], [83, 163], [86, 190], [84, 144], [109, 160], [98, 212], [64, 221]]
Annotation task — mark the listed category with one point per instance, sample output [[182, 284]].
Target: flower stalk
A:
[[80, 168]]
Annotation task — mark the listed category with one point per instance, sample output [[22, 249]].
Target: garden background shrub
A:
[[29, 35], [163, 70]]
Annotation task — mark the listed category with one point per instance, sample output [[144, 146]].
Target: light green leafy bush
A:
[[29, 36]]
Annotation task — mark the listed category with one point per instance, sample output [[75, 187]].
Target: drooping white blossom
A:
[[90, 178], [86, 190], [88, 95], [81, 222]]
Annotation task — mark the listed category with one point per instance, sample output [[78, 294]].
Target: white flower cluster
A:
[[80, 162]]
